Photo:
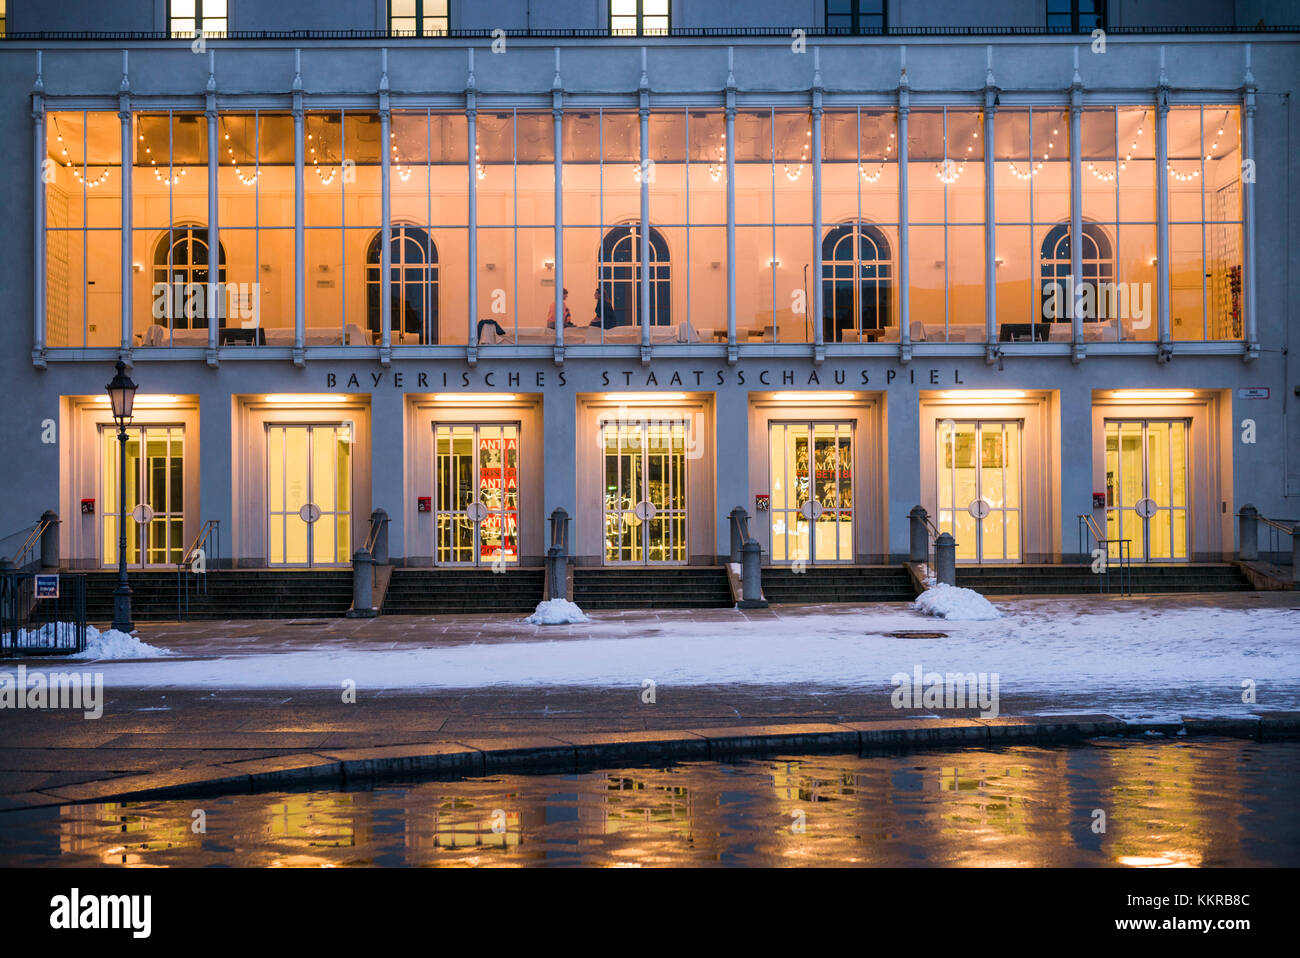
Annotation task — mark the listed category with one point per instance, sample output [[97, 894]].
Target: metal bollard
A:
[[919, 550], [380, 556], [751, 576], [557, 572], [363, 585], [1248, 533], [737, 515], [945, 559], [50, 540], [1295, 556]]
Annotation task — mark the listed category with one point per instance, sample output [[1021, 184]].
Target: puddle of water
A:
[[1209, 802]]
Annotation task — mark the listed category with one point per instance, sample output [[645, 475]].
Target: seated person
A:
[[606, 314], [550, 313]]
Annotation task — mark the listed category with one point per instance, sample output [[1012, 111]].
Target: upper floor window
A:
[[1076, 16], [421, 18], [4, 19], [188, 17], [855, 16], [638, 18]]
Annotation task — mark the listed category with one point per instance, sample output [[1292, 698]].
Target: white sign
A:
[[812, 509], [1252, 392], [309, 513], [1146, 508], [476, 511], [142, 513], [645, 511], [979, 508]]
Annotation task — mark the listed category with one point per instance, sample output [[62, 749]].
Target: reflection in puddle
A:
[[1207, 802]]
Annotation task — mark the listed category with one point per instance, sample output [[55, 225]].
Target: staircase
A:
[[1080, 580], [651, 587], [451, 591], [838, 583], [231, 594]]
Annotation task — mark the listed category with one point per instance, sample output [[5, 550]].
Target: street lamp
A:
[[121, 394]]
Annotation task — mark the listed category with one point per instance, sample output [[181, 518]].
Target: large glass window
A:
[[639, 18], [1076, 16], [186, 18], [1205, 226], [1031, 171], [83, 239], [341, 196], [516, 236], [420, 18], [946, 225], [774, 239], [855, 16]]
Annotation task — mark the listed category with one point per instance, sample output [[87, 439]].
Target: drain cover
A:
[[917, 635]]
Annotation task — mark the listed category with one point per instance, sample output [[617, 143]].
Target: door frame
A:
[[310, 426], [979, 423], [643, 425], [853, 488], [477, 562], [110, 429], [1188, 484]]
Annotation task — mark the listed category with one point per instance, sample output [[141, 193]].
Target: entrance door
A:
[[645, 491], [309, 494], [155, 494], [1146, 487], [476, 470], [811, 502], [979, 488]]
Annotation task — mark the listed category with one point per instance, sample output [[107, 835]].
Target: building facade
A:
[[648, 262]]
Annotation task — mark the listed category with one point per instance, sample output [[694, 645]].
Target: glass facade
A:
[[512, 169]]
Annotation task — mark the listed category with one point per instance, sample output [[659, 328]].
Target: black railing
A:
[[34, 623], [548, 33], [206, 548], [25, 554], [1091, 535]]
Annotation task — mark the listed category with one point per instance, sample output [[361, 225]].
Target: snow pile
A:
[[951, 602], [116, 645], [557, 612]]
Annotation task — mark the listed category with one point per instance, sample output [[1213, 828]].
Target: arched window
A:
[[1098, 267], [620, 275], [413, 278], [857, 279], [180, 265]]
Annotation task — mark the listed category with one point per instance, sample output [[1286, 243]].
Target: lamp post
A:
[[121, 394]]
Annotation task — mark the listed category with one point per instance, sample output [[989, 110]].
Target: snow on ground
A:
[[1148, 662], [953, 602], [113, 644], [557, 612]]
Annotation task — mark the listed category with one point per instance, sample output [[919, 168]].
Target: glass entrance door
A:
[[309, 494], [1146, 487], [979, 489], [155, 494], [476, 470], [811, 500], [645, 491]]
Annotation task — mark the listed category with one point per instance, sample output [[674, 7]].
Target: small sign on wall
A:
[[87, 507], [47, 587], [1252, 392], [424, 504], [1099, 500], [760, 503]]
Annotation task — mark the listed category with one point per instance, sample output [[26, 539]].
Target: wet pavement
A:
[[1209, 802]]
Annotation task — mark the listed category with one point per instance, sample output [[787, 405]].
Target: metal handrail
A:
[[210, 531], [373, 536], [1095, 534], [1285, 526], [29, 544]]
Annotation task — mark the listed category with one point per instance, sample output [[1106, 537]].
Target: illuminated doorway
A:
[[476, 474], [155, 494], [309, 494], [1146, 487], [979, 488], [645, 491], [811, 500]]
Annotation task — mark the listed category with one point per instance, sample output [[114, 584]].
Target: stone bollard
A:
[[751, 576], [1295, 556], [738, 515], [945, 559], [380, 556], [560, 528], [1248, 533], [50, 540], [557, 571], [920, 546], [363, 585]]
